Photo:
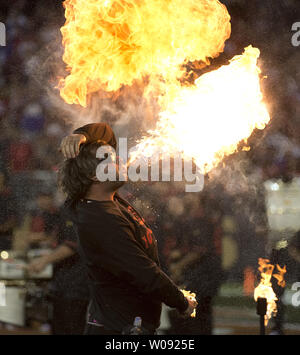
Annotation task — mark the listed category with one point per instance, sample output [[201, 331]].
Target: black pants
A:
[[69, 316]]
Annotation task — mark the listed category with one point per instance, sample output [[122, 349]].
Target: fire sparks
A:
[[265, 290], [111, 43], [192, 296]]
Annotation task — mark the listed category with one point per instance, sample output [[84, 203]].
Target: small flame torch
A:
[[264, 294]]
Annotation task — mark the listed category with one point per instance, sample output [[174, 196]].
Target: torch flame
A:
[[192, 296], [265, 290], [280, 275]]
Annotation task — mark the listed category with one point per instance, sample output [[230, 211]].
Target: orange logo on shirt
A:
[[148, 239]]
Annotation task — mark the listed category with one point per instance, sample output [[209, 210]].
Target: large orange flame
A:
[[110, 43]]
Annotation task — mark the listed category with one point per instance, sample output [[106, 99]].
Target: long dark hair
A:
[[76, 174]]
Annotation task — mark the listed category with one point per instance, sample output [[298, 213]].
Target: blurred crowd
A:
[[192, 229]]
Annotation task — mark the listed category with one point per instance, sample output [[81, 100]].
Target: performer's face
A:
[[119, 178]]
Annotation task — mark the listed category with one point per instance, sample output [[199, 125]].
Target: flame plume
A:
[[208, 120], [110, 43]]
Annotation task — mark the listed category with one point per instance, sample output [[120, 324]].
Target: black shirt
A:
[[121, 255]]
